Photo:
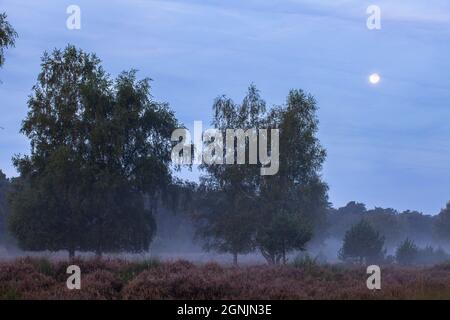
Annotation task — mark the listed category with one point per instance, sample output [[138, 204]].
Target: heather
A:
[[31, 278]]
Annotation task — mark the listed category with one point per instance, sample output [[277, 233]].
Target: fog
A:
[[175, 239]]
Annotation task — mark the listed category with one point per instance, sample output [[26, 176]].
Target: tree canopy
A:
[[228, 193], [7, 36], [4, 208], [100, 156], [274, 213], [293, 203], [442, 224], [363, 244]]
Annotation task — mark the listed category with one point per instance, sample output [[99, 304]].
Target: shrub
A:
[[43, 266], [431, 256], [305, 261], [407, 253]]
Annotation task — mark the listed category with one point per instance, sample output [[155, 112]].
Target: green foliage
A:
[[363, 244], [4, 185], [287, 231], [416, 224], [431, 256], [407, 253], [341, 219], [225, 224], [293, 203], [227, 195], [100, 156], [388, 223], [393, 225], [239, 208], [442, 224], [7, 36], [305, 261], [9, 293], [43, 266]]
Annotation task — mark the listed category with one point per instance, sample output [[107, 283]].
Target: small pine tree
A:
[[363, 244], [407, 253]]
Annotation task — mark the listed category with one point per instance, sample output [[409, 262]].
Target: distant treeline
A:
[[407, 234], [4, 187], [387, 235], [395, 226]]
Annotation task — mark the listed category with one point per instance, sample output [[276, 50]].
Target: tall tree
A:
[[7, 36], [293, 202], [100, 156], [228, 193], [277, 213]]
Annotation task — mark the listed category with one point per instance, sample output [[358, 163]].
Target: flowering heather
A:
[[118, 279]]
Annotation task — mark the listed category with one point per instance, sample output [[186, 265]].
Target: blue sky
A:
[[388, 145]]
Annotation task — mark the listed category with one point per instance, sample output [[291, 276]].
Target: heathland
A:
[[151, 279]]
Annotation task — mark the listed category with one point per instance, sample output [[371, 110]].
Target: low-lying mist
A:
[[176, 240]]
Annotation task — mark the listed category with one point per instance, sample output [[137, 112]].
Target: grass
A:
[[9, 294], [303, 278]]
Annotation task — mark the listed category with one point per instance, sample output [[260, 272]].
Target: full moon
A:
[[374, 78]]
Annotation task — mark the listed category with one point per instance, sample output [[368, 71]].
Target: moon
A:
[[374, 78]]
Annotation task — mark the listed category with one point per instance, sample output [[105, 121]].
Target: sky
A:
[[388, 144]]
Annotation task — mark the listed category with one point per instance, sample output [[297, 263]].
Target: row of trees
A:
[[99, 167], [100, 161], [362, 243], [408, 253], [393, 225], [4, 208]]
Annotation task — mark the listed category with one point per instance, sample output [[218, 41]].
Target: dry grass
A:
[[117, 279]]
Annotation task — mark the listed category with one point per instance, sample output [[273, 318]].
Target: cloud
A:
[[436, 11]]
